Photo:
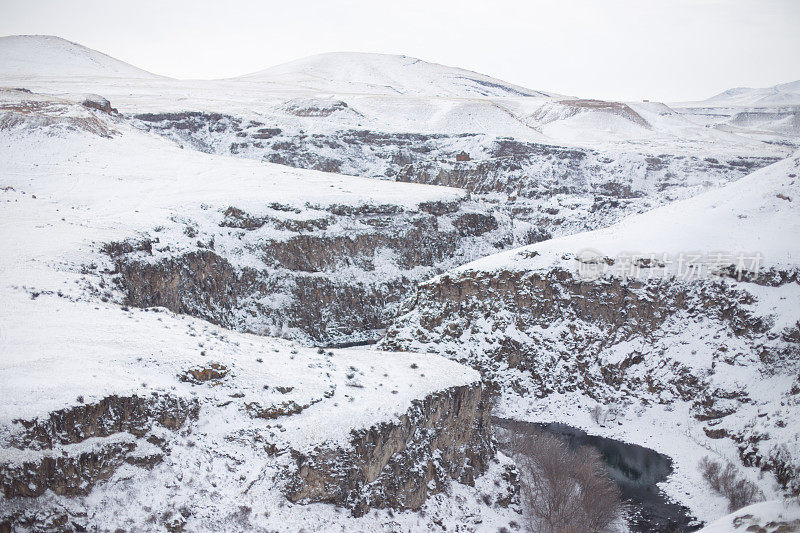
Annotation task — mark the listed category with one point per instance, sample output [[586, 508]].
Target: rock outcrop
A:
[[445, 436], [602, 313], [75, 448], [334, 278], [587, 188], [708, 332], [534, 334]]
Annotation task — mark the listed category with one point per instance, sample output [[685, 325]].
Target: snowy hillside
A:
[[362, 73], [769, 114], [299, 299], [777, 95], [753, 214], [775, 515], [683, 319], [103, 403], [259, 219], [381, 93], [46, 56]]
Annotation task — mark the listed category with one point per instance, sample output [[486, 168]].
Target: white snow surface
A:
[[73, 179], [47, 56], [365, 73], [758, 514], [66, 190], [55, 350], [389, 93], [135, 176], [781, 94], [758, 214]]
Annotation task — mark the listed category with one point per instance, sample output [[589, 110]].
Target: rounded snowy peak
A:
[[365, 73], [782, 94], [47, 56]]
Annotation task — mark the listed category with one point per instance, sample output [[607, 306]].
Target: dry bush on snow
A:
[[597, 414], [563, 490], [726, 481]]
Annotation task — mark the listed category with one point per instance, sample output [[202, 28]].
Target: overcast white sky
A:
[[624, 49]]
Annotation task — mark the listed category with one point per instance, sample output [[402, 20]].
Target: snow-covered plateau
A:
[[294, 300]]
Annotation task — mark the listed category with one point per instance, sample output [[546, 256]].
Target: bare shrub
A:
[[597, 414], [743, 493], [725, 480], [563, 490]]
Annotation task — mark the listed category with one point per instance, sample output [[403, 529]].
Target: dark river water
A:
[[635, 469]]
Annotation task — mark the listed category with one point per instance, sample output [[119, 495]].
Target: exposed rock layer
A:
[[444, 436], [109, 428], [548, 332], [331, 286]]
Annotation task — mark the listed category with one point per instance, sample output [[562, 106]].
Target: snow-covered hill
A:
[[770, 114], [46, 56], [778, 95], [363, 73], [382, 93], [753, 214], [765, 516], [300, 233]]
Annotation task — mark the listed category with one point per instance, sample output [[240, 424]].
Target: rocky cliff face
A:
[[444, 436], [74, 449], [537, 334], [234, 417], [398, 464], [336, 275], [617, 310], [207, 428], [333, 277]]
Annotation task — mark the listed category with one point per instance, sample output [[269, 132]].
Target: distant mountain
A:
[[351, 72], [46, 56], [783, 94]]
